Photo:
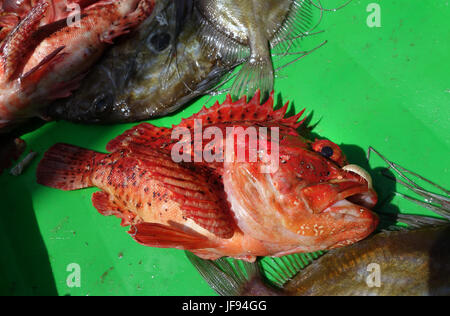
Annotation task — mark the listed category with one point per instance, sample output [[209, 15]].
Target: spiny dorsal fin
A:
[[227, 112]]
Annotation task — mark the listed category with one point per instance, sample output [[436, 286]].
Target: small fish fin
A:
[[254, 75], [241, 110], [280, 270], [163, 236], [45, 66], [143, 133], [200, 195], [419, 221], [228, 111], [66, 167], [102, 202], [297, 25], [230, 277], [16, 45], [129, 21], [215, 42]]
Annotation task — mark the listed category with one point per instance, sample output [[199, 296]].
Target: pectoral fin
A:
[[163, 236]]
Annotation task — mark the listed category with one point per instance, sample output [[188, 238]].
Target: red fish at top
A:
[[312, 201], [42, 59]]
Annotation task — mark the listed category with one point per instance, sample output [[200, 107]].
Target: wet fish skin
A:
[[412, 262], [138, 79], [208, 206], [41, 64]]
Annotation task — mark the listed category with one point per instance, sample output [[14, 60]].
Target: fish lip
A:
[[362, 195], [361, 222], [339, 190], [367, 197]]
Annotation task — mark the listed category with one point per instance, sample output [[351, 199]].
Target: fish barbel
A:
[[127, 85], [39, 64], [312, 201]]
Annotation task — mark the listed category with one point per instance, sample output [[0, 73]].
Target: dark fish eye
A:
[[102, 103], [327, 151], [160, 41]]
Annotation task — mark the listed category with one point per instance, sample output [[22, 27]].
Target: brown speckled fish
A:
[[312, 201], [413, 262]]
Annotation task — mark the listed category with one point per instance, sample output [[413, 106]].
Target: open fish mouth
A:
[[347, 202], [366, 196], [354, 185]]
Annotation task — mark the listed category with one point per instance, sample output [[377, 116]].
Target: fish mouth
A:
[[353, 184], [365, 195], [353, 223]]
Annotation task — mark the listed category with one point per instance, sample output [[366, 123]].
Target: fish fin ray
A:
[[254, 75], [19, 41], [221, 45], [102, 202], [66, 167], [297, 25], [45, 66], [199, 195], [143, 133], [164, 236], [228, 111], [231, 277], [225, 284]]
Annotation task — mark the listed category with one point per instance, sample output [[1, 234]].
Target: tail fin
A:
[[238, 279], [66, 167], [254, 75]]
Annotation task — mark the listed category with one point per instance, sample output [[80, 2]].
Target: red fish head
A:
[[313, 201]]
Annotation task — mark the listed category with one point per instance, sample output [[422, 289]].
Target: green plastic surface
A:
[[386, 87]]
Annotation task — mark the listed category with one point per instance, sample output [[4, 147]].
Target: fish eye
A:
[[160, 41], [329, 150], [102, 103]]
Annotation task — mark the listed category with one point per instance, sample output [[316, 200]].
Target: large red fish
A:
[[310, 202]]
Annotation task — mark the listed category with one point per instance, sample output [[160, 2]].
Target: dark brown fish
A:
[[151, 74]]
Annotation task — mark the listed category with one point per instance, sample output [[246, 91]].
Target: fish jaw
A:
[[350, 223], [297, 215]]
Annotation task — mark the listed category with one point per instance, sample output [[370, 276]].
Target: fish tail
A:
[[66, 167], [239, 278], [255, 74]]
